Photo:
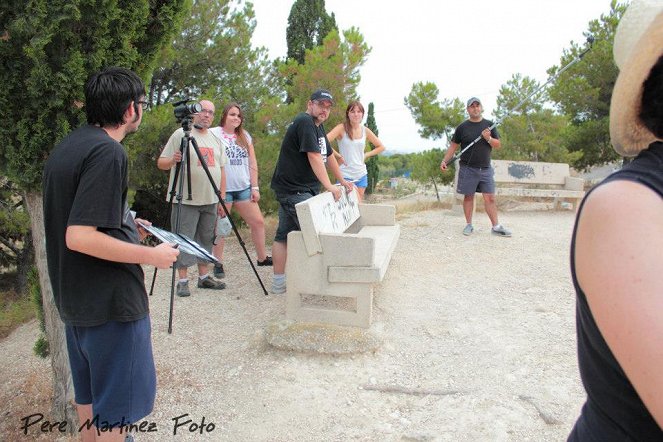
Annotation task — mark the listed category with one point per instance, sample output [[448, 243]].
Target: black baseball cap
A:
[[473, 100], [321, 95]]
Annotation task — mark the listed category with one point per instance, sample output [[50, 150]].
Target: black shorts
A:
[[288, 220]]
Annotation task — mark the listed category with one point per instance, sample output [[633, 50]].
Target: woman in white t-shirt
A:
[[351, 136], [242, 189]]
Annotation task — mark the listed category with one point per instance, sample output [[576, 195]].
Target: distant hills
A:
[[390, 152]]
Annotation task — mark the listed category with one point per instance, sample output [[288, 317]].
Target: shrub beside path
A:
[[479, 344]]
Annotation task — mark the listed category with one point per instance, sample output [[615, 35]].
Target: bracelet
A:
[[255, 188]]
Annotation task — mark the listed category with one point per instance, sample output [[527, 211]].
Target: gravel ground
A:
[[479, 344]]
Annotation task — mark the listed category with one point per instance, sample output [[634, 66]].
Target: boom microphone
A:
[[590, 41]]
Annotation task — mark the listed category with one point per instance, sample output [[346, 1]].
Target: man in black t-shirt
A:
[[476, 173], [299, 172], [94, 257]]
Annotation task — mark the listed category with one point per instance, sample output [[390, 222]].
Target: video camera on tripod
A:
[[184, 111]]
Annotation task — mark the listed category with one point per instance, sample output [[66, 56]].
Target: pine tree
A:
[[48, 48], [308, 25], [372, 163], [583, 93]]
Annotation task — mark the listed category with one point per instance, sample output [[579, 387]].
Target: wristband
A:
[[255, 188]]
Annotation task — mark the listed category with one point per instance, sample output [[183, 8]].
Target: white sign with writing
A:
[[321, 214]]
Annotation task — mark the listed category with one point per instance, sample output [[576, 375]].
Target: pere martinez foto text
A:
[[35, 423]]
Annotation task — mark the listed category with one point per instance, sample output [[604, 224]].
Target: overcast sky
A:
[[467, 48]]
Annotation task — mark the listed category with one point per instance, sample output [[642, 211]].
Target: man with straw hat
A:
[[616, 250]]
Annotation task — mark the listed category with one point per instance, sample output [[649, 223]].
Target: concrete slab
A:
[[311, 337]]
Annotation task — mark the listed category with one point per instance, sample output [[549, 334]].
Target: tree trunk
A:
[[63, 389], [437, 192], [24, 262]]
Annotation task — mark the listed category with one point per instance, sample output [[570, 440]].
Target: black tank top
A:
[[613, 410]]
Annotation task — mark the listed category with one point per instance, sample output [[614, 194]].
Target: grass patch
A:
[[14, 311], [403, 207], [15, 308]]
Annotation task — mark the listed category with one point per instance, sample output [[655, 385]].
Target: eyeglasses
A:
[[326, 106], [143, 104], [206, 112]]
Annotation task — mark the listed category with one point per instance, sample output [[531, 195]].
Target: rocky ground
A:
[[478, 344]]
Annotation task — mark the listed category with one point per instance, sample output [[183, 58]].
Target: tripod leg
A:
[[172, 301], [188, 177], [225, 209], [154, 278], [179, 185]]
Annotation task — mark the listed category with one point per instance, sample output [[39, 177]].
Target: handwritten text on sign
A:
[[335, 216]]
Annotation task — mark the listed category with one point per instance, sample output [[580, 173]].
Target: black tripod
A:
[[178, 183]]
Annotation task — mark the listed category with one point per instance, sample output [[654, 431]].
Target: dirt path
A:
[[479, 345]]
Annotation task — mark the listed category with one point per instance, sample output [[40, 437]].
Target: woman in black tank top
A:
[[617, 251]]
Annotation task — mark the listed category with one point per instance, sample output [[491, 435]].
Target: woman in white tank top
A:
[[351, 136]]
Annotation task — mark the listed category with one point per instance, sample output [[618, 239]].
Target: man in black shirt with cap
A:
[[299, 172], [476, 173]]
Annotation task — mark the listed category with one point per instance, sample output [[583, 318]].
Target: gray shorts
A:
[[475, 179], [197, 223]]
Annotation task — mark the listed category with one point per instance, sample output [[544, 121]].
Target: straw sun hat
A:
[[637, 47]]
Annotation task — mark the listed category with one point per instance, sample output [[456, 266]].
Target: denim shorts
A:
[[475, 179], [359, 182], [288, 220], [112, 368], [238, 195]]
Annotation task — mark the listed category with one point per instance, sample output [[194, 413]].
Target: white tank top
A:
[[353, 154]]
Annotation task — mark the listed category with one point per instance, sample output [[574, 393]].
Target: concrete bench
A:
[[536, 180], [341, 252]]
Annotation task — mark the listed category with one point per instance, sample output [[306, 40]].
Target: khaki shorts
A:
[[196, 223]]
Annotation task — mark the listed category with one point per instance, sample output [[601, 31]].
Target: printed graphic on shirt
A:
[[208, 155], [323, 148], [236, 154]]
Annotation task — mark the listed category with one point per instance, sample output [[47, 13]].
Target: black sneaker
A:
[[266, 262], [210, 283], [218, 271]]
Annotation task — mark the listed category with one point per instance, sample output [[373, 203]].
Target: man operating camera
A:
[[197, 216]]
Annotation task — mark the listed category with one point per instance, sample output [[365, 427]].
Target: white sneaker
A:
[[499, 230], [278, 289]]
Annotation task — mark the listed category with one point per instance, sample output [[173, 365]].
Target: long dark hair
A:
[[346, 124], [109, 92], [651, 112], [242, 140]]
